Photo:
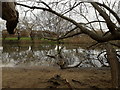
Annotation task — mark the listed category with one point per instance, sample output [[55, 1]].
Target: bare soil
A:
[[39, 77]]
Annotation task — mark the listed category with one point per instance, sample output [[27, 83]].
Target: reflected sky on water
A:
[[47, 55]]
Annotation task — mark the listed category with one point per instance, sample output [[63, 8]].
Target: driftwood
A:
[[10, 14]]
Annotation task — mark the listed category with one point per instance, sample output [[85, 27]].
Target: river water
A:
[[15, 55]]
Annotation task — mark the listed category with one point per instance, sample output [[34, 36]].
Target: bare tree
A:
[[53, 23], [104, 18]]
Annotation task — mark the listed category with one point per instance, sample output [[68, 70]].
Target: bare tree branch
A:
[[111, 26], [113, 13], [109, 23]]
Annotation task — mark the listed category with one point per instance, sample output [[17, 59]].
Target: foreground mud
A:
[[45, 77]]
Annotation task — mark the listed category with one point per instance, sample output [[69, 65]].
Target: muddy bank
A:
[[39, 77]]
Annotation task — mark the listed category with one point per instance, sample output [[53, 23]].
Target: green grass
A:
[[10, 38], [14, 38]]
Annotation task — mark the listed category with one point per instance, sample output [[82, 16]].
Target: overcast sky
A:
[[28, 3]]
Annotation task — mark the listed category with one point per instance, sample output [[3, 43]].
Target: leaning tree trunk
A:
[[114, 64], [10, 14]]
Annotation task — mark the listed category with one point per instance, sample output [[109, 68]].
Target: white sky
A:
[[24, 1]]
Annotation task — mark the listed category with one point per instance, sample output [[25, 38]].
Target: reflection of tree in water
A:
[[59, 57], [89, 59], [50, 55], [27, 55], [102, 57], [76, 58]]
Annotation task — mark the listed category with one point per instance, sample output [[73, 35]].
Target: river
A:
[[15, 55]]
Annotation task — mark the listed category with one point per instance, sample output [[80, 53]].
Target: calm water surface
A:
[[14, 55]]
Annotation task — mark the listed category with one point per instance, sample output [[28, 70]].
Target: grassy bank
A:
[[15, 38], [75, 40], [72, 40]]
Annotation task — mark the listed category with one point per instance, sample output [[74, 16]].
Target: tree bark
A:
[[9, 14], [114, 64]]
